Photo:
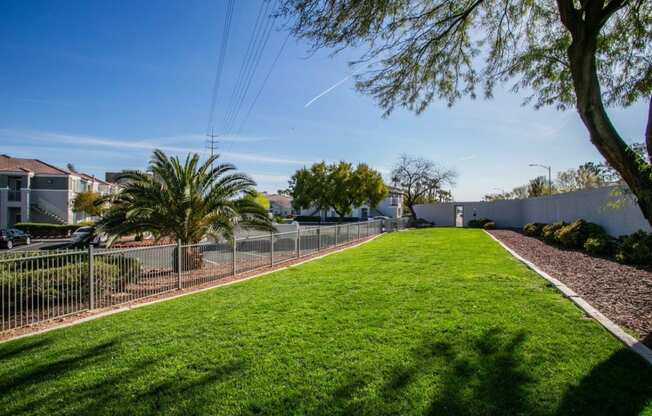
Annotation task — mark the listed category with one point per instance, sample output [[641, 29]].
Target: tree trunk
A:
[[648, 132], [412, 211], [605, 138]]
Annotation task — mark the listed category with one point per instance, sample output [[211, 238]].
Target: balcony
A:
[[14, 196]]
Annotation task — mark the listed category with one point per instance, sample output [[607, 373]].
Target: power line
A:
[[258, 44], [245, 60], [220, 61], [262, 86], [252, 72]]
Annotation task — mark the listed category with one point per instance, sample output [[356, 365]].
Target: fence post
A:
[[358, 231], [91, 278], [271, 248], [337, 230], [298, 241], [235, 256], [179, 267], [318, 238]]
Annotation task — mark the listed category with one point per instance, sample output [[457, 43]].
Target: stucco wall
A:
[[595, 205]]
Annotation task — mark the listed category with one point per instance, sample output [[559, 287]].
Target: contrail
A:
[[327, 90]]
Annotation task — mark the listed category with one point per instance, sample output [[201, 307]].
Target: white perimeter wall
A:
[[592, 205]]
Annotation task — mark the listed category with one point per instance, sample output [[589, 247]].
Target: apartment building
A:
[[35, 191]]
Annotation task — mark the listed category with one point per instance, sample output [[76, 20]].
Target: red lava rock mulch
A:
[[622, 293]]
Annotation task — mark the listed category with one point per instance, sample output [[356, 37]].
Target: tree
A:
[[418, 178], [309, 188], [586, 176], [184, 201], [537, 187], [350, 188], [337, 186], [89, 203], [584, 53], [261, 200]]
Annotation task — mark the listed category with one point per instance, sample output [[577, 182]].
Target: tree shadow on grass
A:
[[491, 376], [85, 383], [487, 377], [9, 350], [620, 385]]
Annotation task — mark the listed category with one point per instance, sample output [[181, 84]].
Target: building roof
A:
[[14, 164], [38, 167], [281, 200]]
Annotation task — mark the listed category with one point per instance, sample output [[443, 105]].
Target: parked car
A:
[[83, 236], [13, 237], [378, 217]]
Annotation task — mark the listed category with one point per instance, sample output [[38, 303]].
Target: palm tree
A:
[[184, 201]]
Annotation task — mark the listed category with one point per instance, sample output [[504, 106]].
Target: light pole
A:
[[549, 175]]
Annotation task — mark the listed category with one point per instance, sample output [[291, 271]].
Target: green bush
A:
[[534, 229], [574, 235], [47, 284], [489, 225], [479, 223], [549, 231], [600, 245], [45, 230], [635, 249]]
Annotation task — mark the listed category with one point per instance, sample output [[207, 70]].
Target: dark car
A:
[[13, 237]]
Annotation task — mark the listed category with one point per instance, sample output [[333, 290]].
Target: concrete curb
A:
[[192, 292], [615, 330]]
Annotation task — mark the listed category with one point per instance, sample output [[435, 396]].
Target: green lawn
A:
[[438, 321]]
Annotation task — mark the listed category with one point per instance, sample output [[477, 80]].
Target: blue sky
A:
[[99, 84]]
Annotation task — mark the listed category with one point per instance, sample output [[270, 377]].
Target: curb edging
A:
[[615, 330]]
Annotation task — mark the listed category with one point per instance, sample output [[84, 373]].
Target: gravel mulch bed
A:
[[622, 293]]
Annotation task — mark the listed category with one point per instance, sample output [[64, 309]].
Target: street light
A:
[[549, 175]]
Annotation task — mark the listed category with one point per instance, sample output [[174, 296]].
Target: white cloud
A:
[[465, 158], [149, 144]]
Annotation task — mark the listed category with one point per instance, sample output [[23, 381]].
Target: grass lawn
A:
[[438, 321]]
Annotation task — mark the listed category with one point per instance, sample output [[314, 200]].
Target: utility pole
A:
[[212, 143], [549, 168]]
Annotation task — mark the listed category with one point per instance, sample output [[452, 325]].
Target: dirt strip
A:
[[86, 315], [622, 293]]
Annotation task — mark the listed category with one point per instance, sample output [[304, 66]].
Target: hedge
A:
[[45, 230], [315, 218], [480, 223], [47, 284]]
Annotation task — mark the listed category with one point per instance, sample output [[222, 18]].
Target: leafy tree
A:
[[420, 178], [89, 203], [584, 53], [309, 188], [588, 175], [350, 188], [184, 200], [537, 187], [337, 186], [261, 200]]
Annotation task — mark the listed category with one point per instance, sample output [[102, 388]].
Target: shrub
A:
[[479, 223], [635, 249], [421, 223], [534, 229], [48, 284], [600, 245], [489, 225], [574, 235], [549, 230]]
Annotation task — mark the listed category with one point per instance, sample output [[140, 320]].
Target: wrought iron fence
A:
[[37, 286]]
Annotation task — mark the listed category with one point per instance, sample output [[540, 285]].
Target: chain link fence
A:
[[37, 286]]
